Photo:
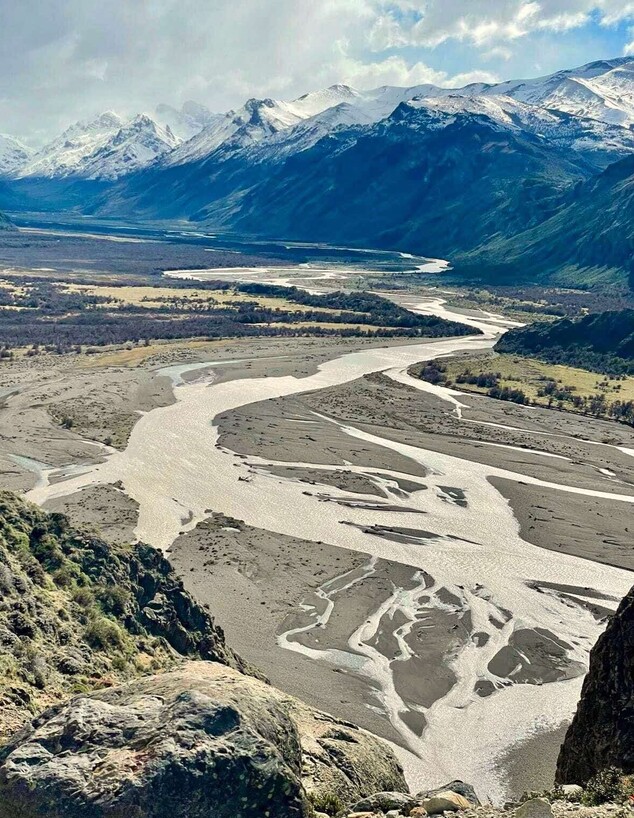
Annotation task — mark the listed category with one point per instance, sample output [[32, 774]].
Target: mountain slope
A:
[[589, 239], [421, 180], [601, 90], [13, 155], [104, 148]]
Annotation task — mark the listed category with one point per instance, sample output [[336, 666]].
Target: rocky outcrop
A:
[[602, 731], [203, 740], [77, 613]]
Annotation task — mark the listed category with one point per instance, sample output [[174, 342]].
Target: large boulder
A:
[[202, 740], [602, 731], [444, 801]]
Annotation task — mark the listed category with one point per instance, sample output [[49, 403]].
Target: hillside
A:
[[590, 239], [78, 614], [603, 342]]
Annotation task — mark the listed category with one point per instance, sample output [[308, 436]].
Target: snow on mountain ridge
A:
[[13, 155], [103, 148], [599, 96]]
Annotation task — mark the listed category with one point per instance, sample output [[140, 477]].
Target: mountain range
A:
[[503, 179]]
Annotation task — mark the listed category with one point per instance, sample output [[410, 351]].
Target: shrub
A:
[[327, 802], [606, 785], [104, 634], [65, 576], [114, 599], [84, 597]]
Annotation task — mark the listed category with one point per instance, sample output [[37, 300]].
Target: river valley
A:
[[380, 572]]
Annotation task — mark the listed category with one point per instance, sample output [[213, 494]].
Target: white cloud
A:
[[65, 59], [487, 22]]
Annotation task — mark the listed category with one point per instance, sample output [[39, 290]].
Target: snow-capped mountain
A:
[[13, 155], [603, 91], [254, 122], [66, 154], [598, 142], [588, 109], [104, 148], [186, 122]]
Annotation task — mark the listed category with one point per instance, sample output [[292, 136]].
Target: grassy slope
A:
[[530, 374], [77, 613]]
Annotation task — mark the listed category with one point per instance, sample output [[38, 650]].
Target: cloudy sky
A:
[[62, 60]]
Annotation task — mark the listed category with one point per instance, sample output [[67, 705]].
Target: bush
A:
[[114, 599], [66, 576], [84, 597], [104, 634], [607, 785], [328, 802]]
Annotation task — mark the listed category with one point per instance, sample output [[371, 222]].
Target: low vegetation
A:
[[601, 342], [44, 312], [78, 614], [531, 382]]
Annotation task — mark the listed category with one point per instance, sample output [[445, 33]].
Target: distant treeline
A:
[[601, 342], [42, 313]]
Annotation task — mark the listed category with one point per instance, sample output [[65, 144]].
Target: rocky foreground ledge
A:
[[201, 741]]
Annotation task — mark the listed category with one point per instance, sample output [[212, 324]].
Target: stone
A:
[[466, 790], [535, 808], [572, 790], [362, 815], [601, 734], [201, 740], [385, 801], [444, 801], [418, 812]]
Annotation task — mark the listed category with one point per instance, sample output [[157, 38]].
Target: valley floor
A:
[[416, 561]]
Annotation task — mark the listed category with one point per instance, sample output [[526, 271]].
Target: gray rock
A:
[[535, 808], [466, 790], [385, 801], [572, 790], [202, 740]]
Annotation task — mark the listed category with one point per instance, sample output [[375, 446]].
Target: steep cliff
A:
[[602, 731]]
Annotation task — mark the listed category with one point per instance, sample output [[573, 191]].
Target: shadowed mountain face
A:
[[589, 239], [602, 732], [419, 179]]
